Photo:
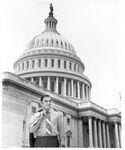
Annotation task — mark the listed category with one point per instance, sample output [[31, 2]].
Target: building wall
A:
[[17, 112], [12, 127], [20, 97], [15, 116]]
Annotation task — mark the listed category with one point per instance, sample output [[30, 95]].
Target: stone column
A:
[[83, 91], [72, 87], [32, 80], [95, 133], [64, 90], [89, 93], [80, 132], [48, 84], [108, 136], [119, 130], [104, 135], [68, 88], [100, 134], [57, 85], [116, 135], [76, 131], [78, 90], [90, 132], [40, 81]]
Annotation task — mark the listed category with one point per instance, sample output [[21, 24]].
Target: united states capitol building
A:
[[50, 65]]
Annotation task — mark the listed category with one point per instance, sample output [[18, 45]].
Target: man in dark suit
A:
[[47, 126]]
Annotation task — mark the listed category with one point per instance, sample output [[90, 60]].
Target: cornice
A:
[[22, 84]]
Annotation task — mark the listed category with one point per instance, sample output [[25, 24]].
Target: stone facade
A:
[[51, 66]]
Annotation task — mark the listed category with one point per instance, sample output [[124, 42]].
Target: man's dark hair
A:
[[42, 97]]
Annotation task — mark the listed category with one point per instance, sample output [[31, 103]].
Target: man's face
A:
[[46, 103]]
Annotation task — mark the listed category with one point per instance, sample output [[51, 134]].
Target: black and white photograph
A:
[[62, 73]]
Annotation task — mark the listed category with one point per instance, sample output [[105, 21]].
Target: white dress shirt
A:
[[37, 125]]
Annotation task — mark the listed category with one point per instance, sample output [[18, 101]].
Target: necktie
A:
[[48, 125]]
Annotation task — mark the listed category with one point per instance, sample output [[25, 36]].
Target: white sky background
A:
[[94, 27]]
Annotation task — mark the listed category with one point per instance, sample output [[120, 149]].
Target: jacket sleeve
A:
[[61, 128], [35, 121]]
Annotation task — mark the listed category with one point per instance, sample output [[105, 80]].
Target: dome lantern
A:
[[50, 21]]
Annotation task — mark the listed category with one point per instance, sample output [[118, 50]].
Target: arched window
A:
[[33, 63], [52, 63], [46, 62], [65, 64], [59, 63], [70, 66], [39, 62], [27, 65]]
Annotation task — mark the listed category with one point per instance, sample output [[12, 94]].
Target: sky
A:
[[94, 27]]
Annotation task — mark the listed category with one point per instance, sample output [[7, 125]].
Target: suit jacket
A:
[[31, 136]]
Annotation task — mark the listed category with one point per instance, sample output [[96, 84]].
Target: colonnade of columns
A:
[[68, 87], [99, 133]]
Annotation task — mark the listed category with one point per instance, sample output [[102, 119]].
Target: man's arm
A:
[[35, 121], [61, 129]]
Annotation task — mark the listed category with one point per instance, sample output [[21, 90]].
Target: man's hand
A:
[[43, 113]]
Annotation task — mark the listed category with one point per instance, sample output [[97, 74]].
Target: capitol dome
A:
[[51, 39], [49, 57]]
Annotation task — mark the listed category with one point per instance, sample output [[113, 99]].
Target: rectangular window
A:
[[68, 120], [33, 110], [68, 140], [52, 63], [46, 62], [27, 64], [70, 66], [23, 66], [65, 64], [39, 63], [58, 63], [33, 63]]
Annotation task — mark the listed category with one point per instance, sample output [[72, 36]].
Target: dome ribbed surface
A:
[[50, 39]]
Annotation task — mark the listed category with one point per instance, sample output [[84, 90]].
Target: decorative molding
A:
[[22, 96], [16, 108]]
